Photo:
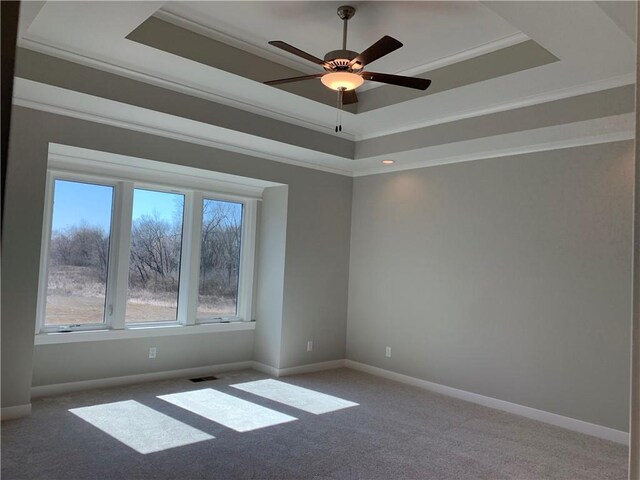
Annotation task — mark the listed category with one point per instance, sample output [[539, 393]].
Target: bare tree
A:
[[155, 253], [220, 254], [81, 246]]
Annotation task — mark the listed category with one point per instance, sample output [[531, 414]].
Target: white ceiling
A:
[[593, 44], [430, 31]]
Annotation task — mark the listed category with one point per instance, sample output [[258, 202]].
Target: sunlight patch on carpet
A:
[[232, 412], [140, 427], [294, 396]]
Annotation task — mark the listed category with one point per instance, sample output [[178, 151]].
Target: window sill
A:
[[140, 332]]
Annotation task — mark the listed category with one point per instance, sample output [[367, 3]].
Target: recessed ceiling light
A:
[[388, 162]]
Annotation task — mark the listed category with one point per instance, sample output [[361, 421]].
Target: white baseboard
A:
[[311, 367], [592, 429], [535, 414], [268, 369], [308, 368], [62, 388], [9, 413]]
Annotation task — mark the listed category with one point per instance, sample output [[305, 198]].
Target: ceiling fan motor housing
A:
[[339, 60]]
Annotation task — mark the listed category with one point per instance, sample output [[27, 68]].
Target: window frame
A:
[[247, 259], [119, 253], [47, 234], [185, 232]]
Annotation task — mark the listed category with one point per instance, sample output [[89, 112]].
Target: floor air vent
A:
[[203, 379]]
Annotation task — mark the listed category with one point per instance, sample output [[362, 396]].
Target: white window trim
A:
[[124, 183], [118, 278], [247, 261], [52, 176], [140, 332]]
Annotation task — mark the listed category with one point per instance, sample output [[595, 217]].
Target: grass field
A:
[[76, 295]]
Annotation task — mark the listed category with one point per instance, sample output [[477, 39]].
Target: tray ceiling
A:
[[484, 58], [430, 31]]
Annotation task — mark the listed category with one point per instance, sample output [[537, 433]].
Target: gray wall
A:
[[507, 277], [317, 243], [271, 253], [73, 362]]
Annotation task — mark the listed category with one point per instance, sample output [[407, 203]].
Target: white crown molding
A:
[[275, 56], [82, 160], [461, 56], [542, 147], [577, 134], [156, 79], [522, 410], [586, 88], [560, 94], [56, 100], [170, 134], [218, 35]]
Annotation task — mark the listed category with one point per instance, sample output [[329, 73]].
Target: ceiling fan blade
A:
[[296, 51], [379, 49], [349, 97], [293, 79], [410, 82]]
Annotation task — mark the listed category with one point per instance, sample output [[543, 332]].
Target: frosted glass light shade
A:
[[340, 80]]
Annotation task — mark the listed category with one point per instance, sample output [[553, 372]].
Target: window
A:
[[221, 242], [129, 254], [78, 260], [154, 259]]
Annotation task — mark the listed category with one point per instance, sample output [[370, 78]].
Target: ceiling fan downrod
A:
[[345, 12], [338, 60]]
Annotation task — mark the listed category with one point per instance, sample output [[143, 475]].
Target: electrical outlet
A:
[[387, 352], [309, 346], [153, 351]]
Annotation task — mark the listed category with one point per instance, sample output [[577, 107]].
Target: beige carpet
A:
[[394, 432]]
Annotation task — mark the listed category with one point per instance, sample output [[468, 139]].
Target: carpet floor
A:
[[395, 432]]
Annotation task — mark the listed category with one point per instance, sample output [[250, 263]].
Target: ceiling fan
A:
[[344, 68]]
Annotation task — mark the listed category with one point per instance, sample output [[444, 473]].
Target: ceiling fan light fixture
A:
[[342, 81]]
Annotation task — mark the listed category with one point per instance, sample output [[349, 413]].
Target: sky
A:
[[76, 203]]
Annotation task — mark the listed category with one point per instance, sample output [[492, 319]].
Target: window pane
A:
[[78, 253], [219, 259], [154, 264]]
